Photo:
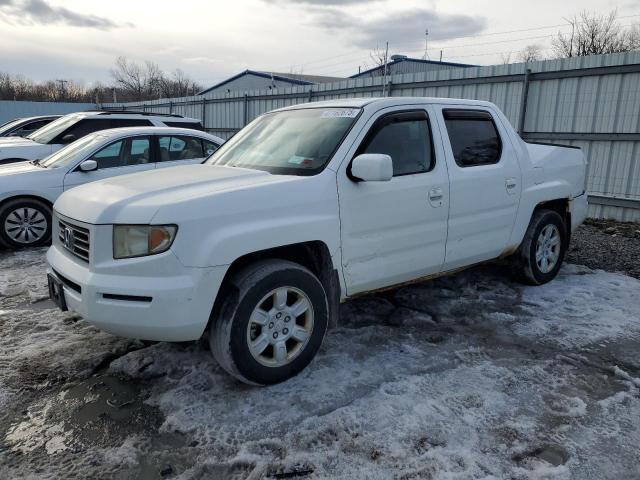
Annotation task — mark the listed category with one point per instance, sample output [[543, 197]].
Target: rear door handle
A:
[[435, 196], [511, 184]]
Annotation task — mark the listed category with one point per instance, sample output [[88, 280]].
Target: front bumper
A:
[[150, 298]]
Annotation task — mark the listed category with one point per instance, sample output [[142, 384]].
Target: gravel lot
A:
[[607, 245], [467, 377]]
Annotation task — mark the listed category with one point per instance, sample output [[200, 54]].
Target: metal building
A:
[[402, 64], [256, 80]]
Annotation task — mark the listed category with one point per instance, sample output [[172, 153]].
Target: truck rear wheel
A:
[[542, 250], [271, 323]]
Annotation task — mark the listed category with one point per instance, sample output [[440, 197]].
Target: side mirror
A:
[[372, 167], [88, 166], [68, 138]]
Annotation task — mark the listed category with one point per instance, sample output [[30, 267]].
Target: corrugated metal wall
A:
[[10, 109], [592, 102]]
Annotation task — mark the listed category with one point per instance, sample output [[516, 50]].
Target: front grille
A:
[[75, 239]]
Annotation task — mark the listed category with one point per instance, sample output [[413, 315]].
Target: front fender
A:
[[216, 231], [49, 194]]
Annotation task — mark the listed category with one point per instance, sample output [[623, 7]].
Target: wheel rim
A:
[[548, 248], [25, 225], [280, 326]]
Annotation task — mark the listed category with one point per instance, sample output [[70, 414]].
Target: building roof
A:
[[292, 78], [414, 60]]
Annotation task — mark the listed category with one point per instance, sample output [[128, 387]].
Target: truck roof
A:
[[382, 102]]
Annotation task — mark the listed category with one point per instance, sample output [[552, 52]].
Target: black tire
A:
[[229, 335], [527, 268], [8, 221]]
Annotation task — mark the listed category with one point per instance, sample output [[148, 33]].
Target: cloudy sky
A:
[[210, 40]]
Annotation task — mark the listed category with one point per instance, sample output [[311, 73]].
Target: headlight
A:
[[141, 240]]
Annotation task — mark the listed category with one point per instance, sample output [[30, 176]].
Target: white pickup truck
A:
[[305, 207]]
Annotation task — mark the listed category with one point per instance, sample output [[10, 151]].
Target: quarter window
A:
[[192, 125], [180, 148], [129, 122], [474, 137], [406, 138], [209, 147]]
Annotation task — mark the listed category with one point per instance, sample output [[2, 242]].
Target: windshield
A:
[[53, 129], [73, 152], [294, 142], [4, 128]]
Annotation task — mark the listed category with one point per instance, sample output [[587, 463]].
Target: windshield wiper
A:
[[37, 163]]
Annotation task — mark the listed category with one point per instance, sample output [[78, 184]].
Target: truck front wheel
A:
[[271, 322], [542, 251]]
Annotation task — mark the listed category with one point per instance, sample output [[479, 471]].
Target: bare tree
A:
[[505, 58], [377, 56], [146, 81], [130, 77], [530, 53], [593, 34]]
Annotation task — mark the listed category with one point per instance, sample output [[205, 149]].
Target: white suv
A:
[[303, 208], [71, 127], [29, 189]]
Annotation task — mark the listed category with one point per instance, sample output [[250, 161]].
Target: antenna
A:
[[386, 59]]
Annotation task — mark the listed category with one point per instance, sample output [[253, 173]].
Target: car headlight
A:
[[141, 240]]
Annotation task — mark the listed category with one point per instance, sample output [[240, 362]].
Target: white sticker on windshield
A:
[[340, 113]]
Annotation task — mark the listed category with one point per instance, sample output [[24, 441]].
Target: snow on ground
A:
[[467, 377]]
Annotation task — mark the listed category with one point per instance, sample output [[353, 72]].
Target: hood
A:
[[18, 168], [16, 142], [136, 198], [26, 177]]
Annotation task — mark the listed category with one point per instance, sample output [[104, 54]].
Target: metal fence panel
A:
[[10, 109]]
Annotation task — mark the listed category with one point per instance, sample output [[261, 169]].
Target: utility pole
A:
[[384, 82], [62, 83], [440, 56]]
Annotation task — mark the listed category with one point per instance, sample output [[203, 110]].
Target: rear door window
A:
[[174, 148], [473, 136]]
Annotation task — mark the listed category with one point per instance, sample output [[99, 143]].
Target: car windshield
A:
[[291, 142], [73, 152], [9, 125], [53, 129]]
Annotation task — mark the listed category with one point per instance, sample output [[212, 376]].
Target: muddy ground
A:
[[469, 376]]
